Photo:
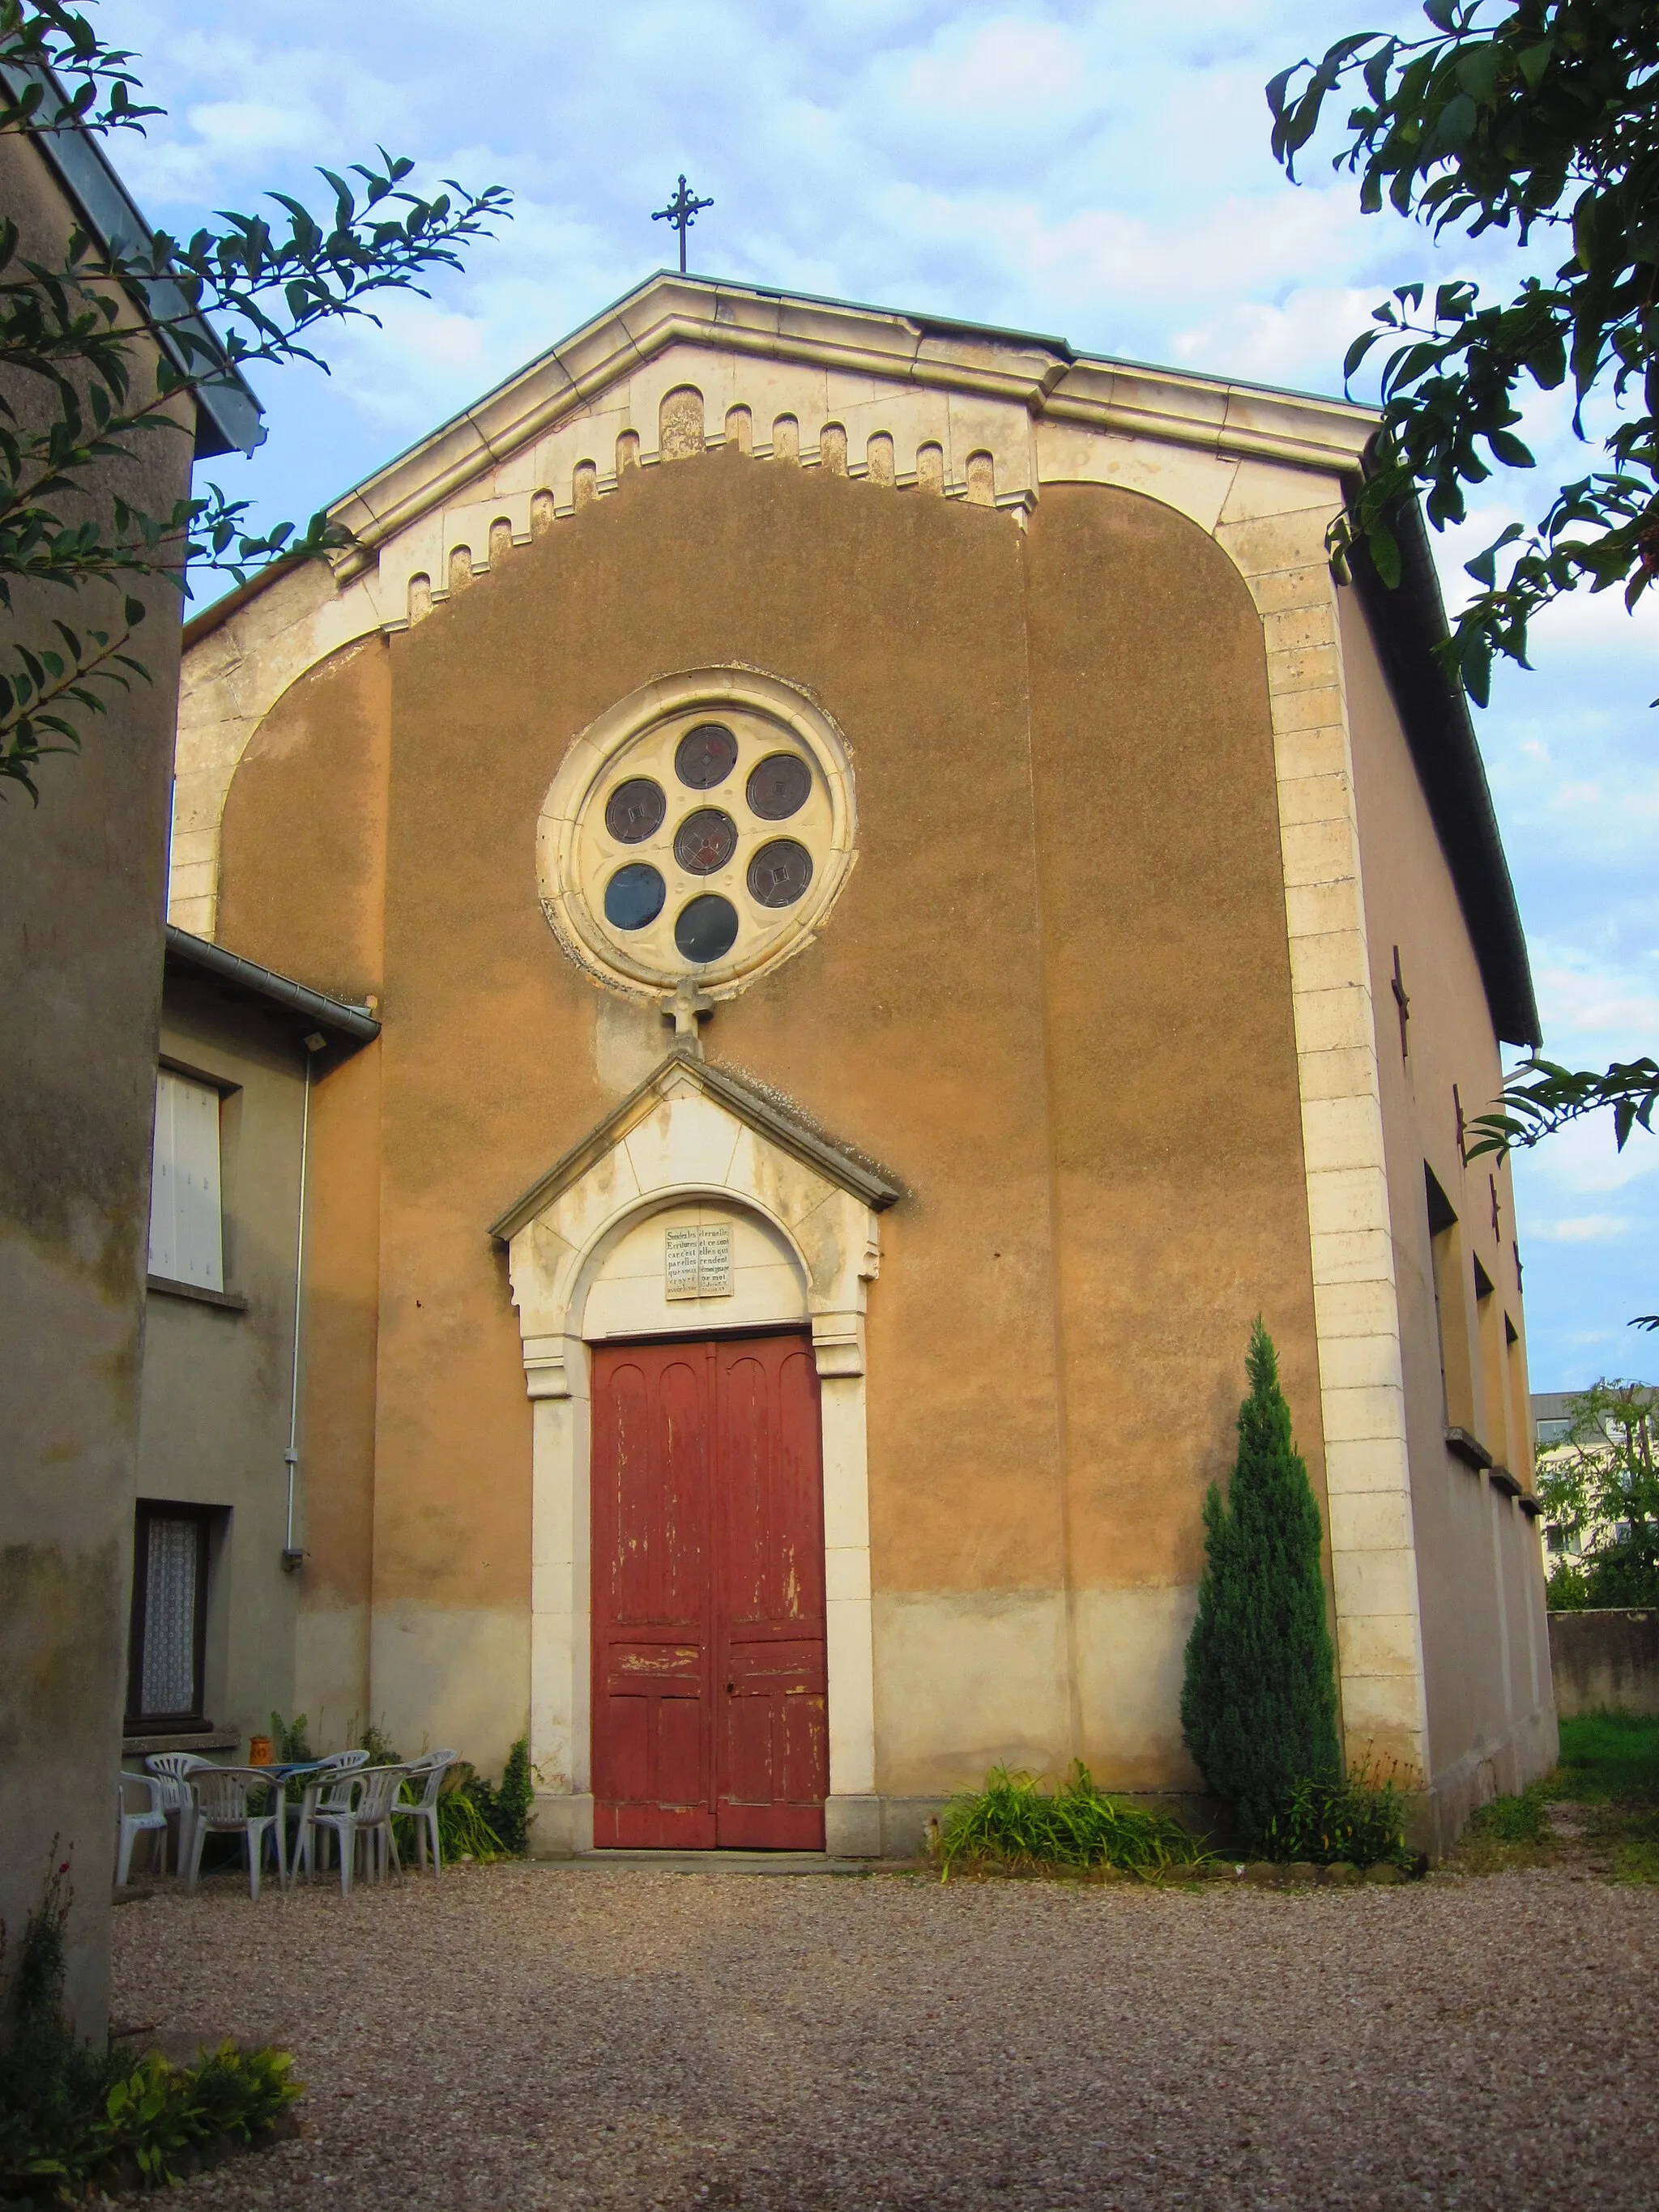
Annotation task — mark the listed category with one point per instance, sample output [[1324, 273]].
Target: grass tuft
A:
[[1514, 1819], [1013, 1822], [1609, 1765]]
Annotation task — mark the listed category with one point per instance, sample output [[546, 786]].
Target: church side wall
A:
[[1179, 1189], [1490, 1712]]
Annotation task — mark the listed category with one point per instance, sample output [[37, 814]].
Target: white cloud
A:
[[1583, 1229]]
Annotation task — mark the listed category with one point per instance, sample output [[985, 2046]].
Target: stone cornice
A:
[[1041, 374]]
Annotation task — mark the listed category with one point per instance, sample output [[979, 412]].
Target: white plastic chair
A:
[[323, 1786], [220, 1795], [152, 1821], [428, 1772], [371, 1792], [172, 1770]]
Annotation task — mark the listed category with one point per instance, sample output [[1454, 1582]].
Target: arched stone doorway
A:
[[591, 1248]]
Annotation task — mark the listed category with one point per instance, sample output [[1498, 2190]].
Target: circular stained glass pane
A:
[[634, 897], [705, 840], [780, 873], [706, 756], [635, 809], [778, 786], [706, 928]]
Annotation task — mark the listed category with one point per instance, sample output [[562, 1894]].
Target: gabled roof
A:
[[745, 1100], [1408, 623], [1042, 374]]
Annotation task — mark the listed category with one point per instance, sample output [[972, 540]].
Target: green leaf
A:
[[1385, 550], [1509, 449], [1532, 61]]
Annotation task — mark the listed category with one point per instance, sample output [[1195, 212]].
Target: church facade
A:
[[905, 906]]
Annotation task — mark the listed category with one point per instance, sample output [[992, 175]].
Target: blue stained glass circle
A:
[[634, 897]]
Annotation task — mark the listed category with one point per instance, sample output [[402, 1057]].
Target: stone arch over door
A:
[[691, 1144]]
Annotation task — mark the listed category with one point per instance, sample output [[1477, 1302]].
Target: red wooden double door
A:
[[710, 1707]]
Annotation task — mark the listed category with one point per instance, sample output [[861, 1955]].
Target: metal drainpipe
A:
[[294, 1556]]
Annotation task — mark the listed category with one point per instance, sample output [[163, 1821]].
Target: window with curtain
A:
[[186, 1243], [169, 1615]]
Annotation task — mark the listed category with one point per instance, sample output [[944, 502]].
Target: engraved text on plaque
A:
[[697, 1262]]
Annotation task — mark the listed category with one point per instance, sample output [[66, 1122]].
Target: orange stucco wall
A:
[[1054, 1001]]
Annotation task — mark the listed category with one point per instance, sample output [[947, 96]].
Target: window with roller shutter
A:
[[186, 1242]]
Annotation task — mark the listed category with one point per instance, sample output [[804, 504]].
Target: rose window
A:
[[705, 842]]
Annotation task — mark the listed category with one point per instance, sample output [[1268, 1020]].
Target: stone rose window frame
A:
[[579, 851]]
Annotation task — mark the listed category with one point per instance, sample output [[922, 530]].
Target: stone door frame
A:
[[687, 1136]]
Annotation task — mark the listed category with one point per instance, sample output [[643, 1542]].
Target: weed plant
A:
[[505, 1809], [463, 1831], [379, 1748], [1013, 1822], [1360, 1819], [72, 2117], [1520, 1820]]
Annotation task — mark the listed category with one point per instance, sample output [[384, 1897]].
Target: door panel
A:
[[709, 1707], [653, 1600], [773, 1745]]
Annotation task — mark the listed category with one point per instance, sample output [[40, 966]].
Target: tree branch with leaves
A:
[[1536, 119], [1598, 1486], [100, 352]]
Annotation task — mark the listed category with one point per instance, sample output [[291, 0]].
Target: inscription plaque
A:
[[697, 1262]]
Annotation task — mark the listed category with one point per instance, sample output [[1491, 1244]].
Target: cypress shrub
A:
[[1258, 1707]]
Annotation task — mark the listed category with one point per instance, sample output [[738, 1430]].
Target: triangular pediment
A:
[[980, 366], [681, 1074]]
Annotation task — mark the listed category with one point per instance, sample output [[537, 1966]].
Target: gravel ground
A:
[[520, 2036]]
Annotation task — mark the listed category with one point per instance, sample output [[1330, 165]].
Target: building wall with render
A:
[[214, 1398], [83, 886], [1133, 1106], [1034, 1549], [1480, 1564]]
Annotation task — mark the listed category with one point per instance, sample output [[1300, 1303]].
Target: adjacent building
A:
[[217, 1543], [83, 894]]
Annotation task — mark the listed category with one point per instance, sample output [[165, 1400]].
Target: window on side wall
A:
[[1445, 1253], [1493, 1429], [186, 1234], [168, 1646]]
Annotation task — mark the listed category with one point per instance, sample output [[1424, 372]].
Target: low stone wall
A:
[[1605, 1661]]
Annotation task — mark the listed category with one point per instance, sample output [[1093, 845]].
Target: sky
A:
[[1098, 172]]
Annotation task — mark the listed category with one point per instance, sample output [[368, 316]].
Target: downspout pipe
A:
[[294, 1554]]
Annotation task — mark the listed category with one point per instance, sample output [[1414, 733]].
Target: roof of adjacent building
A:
[[315, 1010], [228, 418]]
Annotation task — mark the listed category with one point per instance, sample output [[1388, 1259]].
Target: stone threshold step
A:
[[718, 1862]]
